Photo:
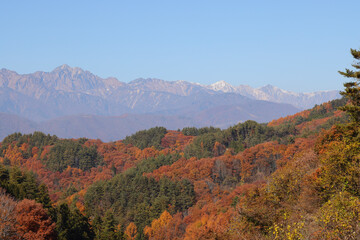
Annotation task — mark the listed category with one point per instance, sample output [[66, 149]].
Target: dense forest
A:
[[293, 178]]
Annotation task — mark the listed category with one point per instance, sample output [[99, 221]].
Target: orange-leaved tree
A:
[[33, 222], [131, 231]]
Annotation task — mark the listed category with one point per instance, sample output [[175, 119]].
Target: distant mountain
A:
[[10, 123], [58, 98], [64, 91], [275, 94]]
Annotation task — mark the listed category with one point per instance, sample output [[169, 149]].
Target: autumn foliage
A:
[[293, 178], [33, 222]]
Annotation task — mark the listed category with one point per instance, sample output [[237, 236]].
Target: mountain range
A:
[[71, 102]]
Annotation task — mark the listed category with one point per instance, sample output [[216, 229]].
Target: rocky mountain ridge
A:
[[67, 93], [75, 80]]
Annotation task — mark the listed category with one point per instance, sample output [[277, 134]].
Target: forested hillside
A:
[[293, 178]]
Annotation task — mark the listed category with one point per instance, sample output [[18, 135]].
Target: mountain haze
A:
[[60, 99]]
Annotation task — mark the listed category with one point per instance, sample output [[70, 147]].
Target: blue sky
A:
[[295, 45]]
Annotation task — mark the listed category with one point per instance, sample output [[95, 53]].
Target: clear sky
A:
[[295, 45]]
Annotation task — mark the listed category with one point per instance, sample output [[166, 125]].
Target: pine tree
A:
[[72, 224], [43, 196], [4, 175], [63, 223], [80, 229], [108, 231], [352, 89]]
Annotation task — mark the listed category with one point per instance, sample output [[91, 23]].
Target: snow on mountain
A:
[[275, 94], [222, 86]]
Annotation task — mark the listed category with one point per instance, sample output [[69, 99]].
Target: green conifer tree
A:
[[352, 89], [108, 231], [63, 223], [72, 224]]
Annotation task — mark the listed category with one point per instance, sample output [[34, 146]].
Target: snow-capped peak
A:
[[222, 86]]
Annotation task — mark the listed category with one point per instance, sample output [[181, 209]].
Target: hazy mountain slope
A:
[[11, 123], [91, 126], [115, 128], [225, 116], [110, 128]]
